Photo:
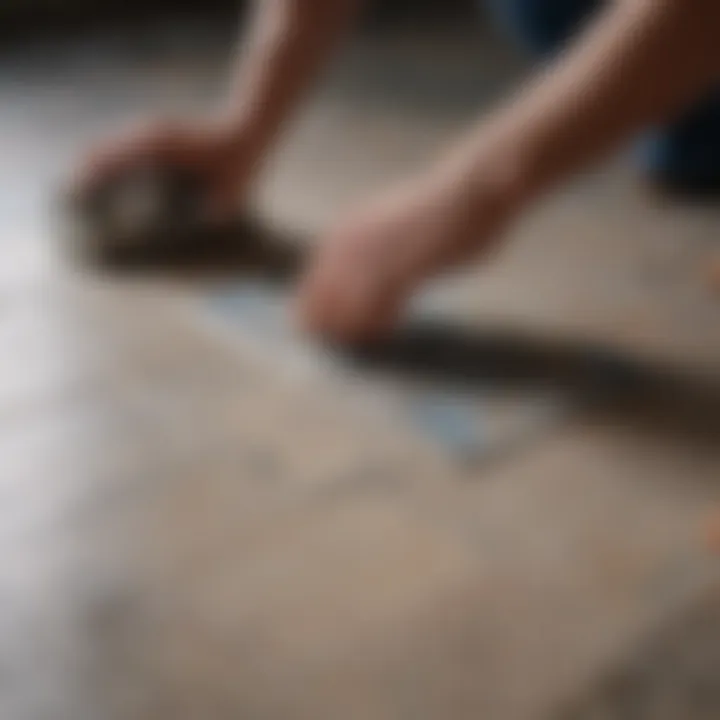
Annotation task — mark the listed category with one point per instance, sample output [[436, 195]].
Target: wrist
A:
[[240, 137], [491, 189], [502, 163]]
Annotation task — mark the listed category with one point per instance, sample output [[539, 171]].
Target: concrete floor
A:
[[188, 532]]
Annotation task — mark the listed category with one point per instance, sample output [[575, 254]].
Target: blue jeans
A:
[[686, 154]]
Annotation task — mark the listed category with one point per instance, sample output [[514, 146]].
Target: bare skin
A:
[[288, 43], [641, 62]]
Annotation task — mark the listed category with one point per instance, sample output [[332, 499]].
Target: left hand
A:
[[368, 266], [221, 156]]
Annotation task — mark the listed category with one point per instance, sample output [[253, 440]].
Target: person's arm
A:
[[287, 44], [641, 63]]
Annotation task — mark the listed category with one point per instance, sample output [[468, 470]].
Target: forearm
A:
[[641, 63], [286, 46]]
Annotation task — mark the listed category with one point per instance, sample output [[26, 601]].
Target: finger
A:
[[102, 164], [312, 301], [374, 312], [335, 294], [364, 307], [158, 142], [347, 305], [347, 300], [381, 318]]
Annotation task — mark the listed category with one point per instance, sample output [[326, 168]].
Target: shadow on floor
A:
[[244, 247], [622, 389], [598, 379]]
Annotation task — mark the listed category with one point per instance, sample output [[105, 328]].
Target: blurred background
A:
[[510, 513]]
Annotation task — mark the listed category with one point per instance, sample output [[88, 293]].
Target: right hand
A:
[[221, 158]]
